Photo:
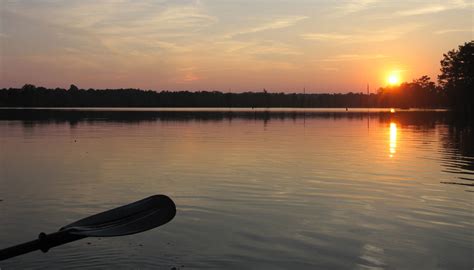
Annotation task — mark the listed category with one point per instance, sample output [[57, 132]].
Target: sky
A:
[[234, 45]]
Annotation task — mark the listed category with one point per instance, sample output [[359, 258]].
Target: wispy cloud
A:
[[355, 5], [190, 77], [363, 36], [179, 17], [169, 21], [258, 48], [353, 57], [423, 10], [375, 36], [121, 26], [329, 69], [278, 23], [434, 8], [159, 30], [326, 36], [447, 31]]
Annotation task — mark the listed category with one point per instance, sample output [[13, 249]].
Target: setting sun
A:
[[393, 79]]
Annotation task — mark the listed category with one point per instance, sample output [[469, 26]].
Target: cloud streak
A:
[[356, 6], [447, 31], [363, 36], [279, 23], [375, 36], [423, 10], [434, 8], [258, 48], [326, 36], [353, 57]]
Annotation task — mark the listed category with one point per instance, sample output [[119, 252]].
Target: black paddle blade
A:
[[132, 218]]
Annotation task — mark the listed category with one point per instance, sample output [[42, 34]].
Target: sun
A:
[[393, 79]]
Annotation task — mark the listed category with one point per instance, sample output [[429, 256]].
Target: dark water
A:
[[255, 189]]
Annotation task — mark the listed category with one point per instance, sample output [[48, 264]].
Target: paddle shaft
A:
[[43, 243]]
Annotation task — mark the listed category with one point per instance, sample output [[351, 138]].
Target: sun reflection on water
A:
[[393, 139]]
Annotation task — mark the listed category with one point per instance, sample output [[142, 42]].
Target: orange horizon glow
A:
[[320, 46]]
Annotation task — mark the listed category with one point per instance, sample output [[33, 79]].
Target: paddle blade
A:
[[133, 218]]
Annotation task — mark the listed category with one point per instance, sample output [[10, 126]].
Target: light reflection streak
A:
[[393, 139]]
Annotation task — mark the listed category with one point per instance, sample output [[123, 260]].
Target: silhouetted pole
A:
[[304, 97], [368, 105], [304, 106], [368, 96]]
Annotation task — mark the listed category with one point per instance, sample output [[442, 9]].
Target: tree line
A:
[[454, 89], [32, 96]]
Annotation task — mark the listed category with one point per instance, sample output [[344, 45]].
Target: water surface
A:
[[254, 189]]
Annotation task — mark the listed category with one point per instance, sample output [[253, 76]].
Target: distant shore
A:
[[32, 96]]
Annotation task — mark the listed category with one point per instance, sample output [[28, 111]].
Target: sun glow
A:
[[393, 79]]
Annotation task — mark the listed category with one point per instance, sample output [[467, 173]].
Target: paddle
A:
[[132, 218]]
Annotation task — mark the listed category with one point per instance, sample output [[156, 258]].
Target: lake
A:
[[254, 189]]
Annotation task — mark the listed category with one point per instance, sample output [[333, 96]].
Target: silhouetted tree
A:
[[28, 87], [420, 93], [73, 88], [457, 77], [424, 92]]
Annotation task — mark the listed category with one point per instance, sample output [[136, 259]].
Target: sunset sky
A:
[[238, 45]]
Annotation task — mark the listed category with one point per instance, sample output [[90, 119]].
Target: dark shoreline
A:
[[32, 96]]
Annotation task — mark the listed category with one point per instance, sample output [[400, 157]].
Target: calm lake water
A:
[[254, 189]]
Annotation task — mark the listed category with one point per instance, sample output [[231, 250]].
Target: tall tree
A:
[[457, 77]]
